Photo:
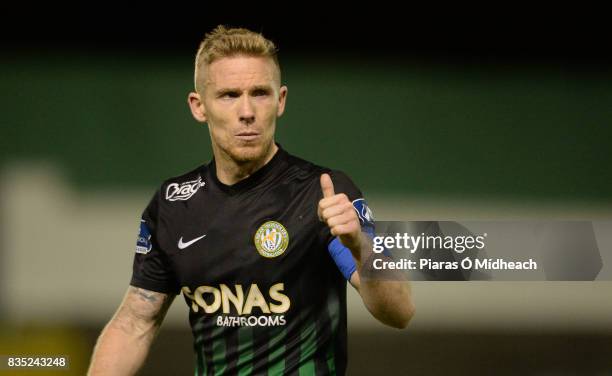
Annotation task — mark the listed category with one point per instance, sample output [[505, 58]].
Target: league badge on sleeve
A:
[[363, 212], [143, 243]]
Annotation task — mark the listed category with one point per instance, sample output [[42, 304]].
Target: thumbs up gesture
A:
[[337, 211]]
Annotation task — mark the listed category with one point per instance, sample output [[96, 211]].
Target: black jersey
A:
[[265, 295]]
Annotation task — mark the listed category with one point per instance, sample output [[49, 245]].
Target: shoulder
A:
[[311, 171]]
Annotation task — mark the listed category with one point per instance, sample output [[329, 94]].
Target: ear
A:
[[282, 99], [196, 104]]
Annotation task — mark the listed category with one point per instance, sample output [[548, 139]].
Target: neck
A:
[[230, 172]]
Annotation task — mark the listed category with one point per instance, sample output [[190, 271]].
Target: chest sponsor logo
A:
[[271, 239], [236, 307], [183, 191]]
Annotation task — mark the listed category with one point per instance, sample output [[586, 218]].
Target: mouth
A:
[[247, 136]]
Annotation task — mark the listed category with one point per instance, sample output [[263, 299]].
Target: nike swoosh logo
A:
[[182, 245]]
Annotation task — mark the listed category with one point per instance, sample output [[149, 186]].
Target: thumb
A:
[[327, 186]]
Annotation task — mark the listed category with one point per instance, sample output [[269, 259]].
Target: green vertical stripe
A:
[[308, 347], [276, 359], [333, 308], [331, 361], [201, 366], [245, 351], [218, 358], [199, 347]]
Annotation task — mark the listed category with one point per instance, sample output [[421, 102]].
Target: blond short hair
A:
[[227, 42]]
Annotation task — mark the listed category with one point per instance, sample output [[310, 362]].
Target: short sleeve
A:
[[341, 255], [151, 269], [344, 184]]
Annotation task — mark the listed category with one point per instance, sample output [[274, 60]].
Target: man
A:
[[259, 242]]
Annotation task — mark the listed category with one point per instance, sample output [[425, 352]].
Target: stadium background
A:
[[430, 123]]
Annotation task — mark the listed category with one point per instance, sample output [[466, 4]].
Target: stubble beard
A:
[[249, 154]]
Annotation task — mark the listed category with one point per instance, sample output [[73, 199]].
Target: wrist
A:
[[358, 245]]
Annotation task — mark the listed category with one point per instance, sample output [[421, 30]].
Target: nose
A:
[[246, 111]]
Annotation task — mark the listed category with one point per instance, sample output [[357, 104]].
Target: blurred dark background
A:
[[483, 105], [492, 105]]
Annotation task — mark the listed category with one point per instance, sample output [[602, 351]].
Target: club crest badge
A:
[[271, 239]]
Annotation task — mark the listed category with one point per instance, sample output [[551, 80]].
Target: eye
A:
[[260, 92], [229, 94]]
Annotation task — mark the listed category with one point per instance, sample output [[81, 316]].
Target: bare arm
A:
[[390, 301], [124, 343]]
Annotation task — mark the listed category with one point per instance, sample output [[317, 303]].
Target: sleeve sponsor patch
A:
[[363, 212], [143, 243]]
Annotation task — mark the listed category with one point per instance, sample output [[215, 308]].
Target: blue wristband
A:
[[342, 257]]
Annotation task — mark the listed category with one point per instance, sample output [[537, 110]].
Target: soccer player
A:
[[259, 242]]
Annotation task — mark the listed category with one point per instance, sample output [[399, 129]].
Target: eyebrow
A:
[[262, 87], [238, 90], [226, 90]]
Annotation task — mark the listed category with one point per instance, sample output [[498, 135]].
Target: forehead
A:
[[241, 72]]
